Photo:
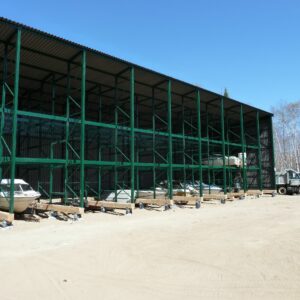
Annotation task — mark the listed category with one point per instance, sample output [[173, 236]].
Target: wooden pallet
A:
[[269, 192], [186, 200], [101, 204], [234, 195], [254, 193], [157, 202], [60, 208], [207, 197], [6, 216]]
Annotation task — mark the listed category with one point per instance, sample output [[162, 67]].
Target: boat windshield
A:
[[6, 188], [26, 187]]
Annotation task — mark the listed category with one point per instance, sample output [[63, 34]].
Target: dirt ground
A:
[[246, 249]]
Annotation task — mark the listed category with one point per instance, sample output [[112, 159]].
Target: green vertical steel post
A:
[[15, 121], [228, 154], [99, 182], [137, 155], [137, 178], [67, 137], [259, 152], [170, 146], [223, 146], [82, 126], [199, 141], [153, 145], [3, 103], [183, 145], [132, 136], [207, 146], [272, 154], [193, 171], [116, 140], [41, 95], [51, 174], [243, 148], [99, 145], [53, 96]]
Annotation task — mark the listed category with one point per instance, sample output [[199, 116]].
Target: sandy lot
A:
[[246, 249]]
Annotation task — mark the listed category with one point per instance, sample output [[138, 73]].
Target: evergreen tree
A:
[[226, 93]]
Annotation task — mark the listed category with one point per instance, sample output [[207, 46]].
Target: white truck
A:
[[288, 182]]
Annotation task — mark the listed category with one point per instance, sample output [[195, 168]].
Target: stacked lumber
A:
[[109, 205], [156, 202], [66, 209], [254, 193], [269, 192], [219, 196], [185, 200], [234, 195]]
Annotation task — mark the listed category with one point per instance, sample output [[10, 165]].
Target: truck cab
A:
[[288, 182]]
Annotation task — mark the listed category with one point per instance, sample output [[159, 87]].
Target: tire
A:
[[282, 190]]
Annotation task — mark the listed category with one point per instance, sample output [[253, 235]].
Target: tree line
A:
[[286, 132]]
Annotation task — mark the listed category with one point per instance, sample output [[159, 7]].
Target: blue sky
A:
[[252, 47]]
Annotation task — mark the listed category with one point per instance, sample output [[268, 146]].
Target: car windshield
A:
[[26, 187]]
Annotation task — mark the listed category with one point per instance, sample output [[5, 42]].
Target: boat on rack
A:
[[24, 195], [193, 188], [231, 161]]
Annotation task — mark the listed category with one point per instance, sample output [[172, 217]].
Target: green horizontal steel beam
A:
[[125, 128], [47, 162]]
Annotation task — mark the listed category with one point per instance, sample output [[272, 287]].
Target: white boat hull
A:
[[20, 205]]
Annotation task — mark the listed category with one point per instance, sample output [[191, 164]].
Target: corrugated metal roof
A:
[[35, 43]]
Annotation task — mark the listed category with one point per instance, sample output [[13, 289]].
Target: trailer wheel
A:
[[282, 190]]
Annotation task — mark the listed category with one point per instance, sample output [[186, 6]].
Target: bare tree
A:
[[287, 135]]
